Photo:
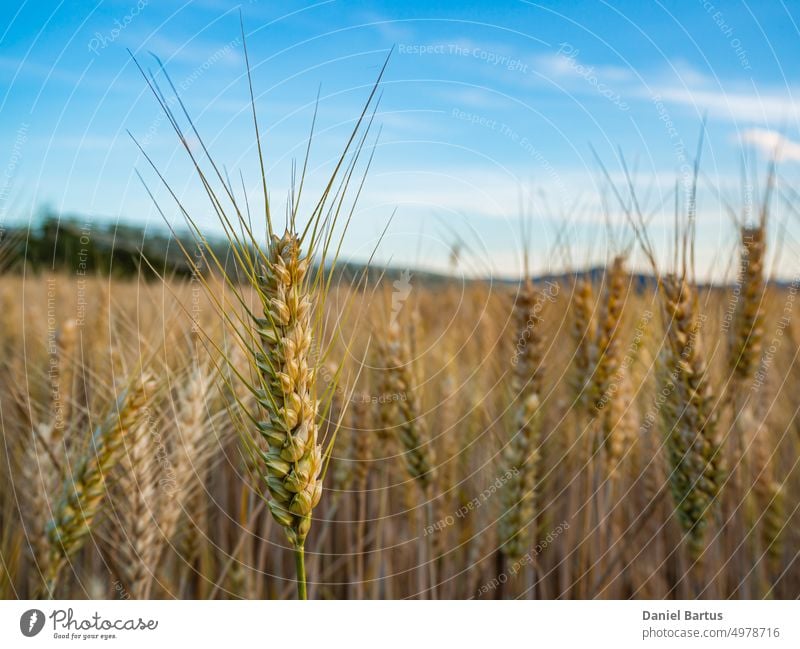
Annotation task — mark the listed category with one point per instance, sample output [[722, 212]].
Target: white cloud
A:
[[474, 97], [681, 84], [772, 144], [736, 105], [571, 67]]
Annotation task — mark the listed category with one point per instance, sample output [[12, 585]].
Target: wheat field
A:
[[400, 301], [590, 436]]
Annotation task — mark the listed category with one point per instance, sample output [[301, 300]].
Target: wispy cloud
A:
[[679, 84], [772, 144], [474, 97], [766, 107], [566, 64], [389, 29]]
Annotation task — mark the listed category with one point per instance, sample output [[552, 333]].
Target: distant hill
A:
[[71, 244]]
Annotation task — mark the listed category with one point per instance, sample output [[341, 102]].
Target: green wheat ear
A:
[[283, 338]]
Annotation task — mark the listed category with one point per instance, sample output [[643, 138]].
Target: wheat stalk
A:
[[278, 341]]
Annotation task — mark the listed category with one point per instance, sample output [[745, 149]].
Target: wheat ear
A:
[[161, 480], [521, 454], [620, 424], [410, 429], [693, 447], [582, 332], [294, 458], [84, 490], [137, 537], [609, 374], [745, 341], [608, 348], [37, 479], [197, 418], [747, 331], [404, 409], [343, 471], [769, 496], [361, 427], [278, 342]]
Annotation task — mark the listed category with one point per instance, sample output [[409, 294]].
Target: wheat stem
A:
[[300, 569]]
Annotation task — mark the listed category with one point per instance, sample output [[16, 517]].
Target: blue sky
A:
[[488, 110]]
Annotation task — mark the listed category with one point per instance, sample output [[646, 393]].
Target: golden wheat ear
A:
[[521, 454], [522, 449], [84, 489], [747, 326], [583, 335], [278, 288], [689, 411], [608, 369], [405, 413]]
